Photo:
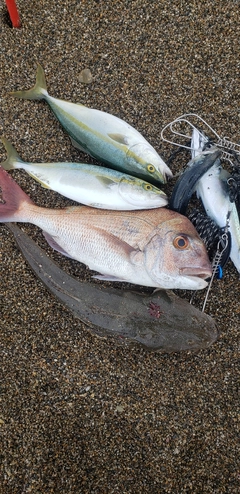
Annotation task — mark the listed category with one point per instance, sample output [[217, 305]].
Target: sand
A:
[[79, 414]]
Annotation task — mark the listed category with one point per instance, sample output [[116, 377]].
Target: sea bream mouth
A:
[[204, 274]]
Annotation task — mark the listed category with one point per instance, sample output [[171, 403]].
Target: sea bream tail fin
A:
[[39, 91], [13, 157], [13, 200]]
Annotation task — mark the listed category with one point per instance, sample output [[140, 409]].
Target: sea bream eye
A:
[[181, 242], [151, 168]]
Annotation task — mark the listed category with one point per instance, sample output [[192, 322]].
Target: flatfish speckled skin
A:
[[160, 321]]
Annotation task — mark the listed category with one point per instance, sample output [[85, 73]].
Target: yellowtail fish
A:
[[155, 248], [92, 185], [102, 135]]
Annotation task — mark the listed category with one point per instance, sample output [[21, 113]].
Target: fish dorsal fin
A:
[[120, 138]]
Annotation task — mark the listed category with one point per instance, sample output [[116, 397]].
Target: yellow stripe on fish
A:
[[91, 185], [102, 135]]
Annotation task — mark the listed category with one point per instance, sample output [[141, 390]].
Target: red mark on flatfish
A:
[[154, 310]]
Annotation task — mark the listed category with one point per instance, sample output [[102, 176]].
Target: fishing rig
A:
[[230, 151], [229, 148], [217, 240], [217, 263]]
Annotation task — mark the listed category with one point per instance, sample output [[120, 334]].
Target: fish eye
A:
[[151, 168], [181, 242], [147, 186]]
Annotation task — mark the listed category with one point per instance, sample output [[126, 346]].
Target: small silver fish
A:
[[102, 135], [91, 185], [213, 191], [156, 248]]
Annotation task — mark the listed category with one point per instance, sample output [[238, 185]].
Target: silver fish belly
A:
[[212, 189], [91, 185], [102, 135]]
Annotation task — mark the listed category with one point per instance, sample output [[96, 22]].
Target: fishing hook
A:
[[216, 263]]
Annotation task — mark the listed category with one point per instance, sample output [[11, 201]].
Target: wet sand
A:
[[79, 414]]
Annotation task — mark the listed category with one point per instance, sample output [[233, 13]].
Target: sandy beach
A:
[[79, 414]]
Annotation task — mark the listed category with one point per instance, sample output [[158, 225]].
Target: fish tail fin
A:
[[39, 91], [13, 200], [12, 156]]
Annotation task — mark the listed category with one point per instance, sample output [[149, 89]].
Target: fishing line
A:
[[224, 143], [216, 263], [210, 233]]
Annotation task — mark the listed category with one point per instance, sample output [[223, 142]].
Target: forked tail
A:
[[13, 157], [13, 200], [39, 91]]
